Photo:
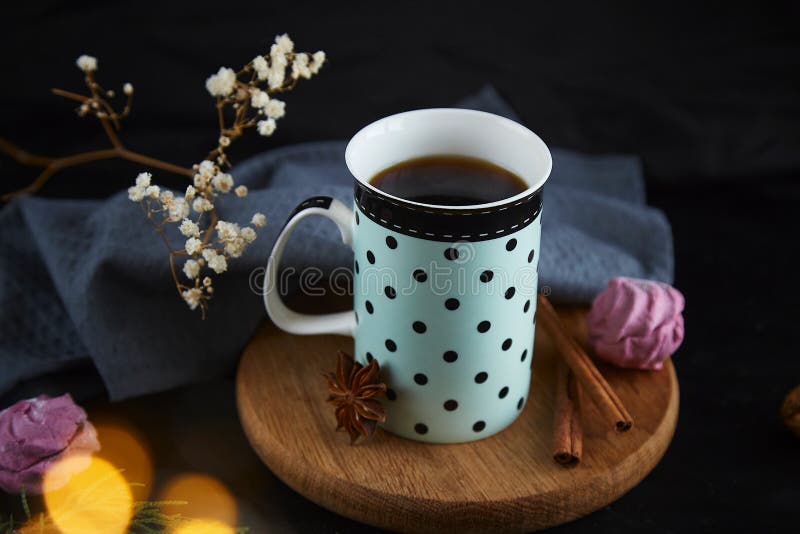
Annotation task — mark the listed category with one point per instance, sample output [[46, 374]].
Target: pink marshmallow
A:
[[636, 323]]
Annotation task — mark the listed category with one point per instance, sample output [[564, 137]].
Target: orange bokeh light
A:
[[206, 498], [87, 495], [204, 526]]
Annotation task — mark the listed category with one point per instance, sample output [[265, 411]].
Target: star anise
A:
[[353, 388]]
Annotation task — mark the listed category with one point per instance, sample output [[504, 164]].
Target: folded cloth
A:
[[90, 279]]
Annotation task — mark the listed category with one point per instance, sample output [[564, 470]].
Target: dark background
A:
[[706, 94]]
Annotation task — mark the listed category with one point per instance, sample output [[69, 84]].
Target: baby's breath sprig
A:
[[244, 100], [246, 95]]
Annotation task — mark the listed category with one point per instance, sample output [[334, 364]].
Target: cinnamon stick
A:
[[590, 379], [567, 430]]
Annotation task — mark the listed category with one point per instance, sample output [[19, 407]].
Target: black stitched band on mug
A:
[[443, 224], [313, 202]]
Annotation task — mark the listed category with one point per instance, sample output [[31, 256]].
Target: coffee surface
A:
[[448, 181]]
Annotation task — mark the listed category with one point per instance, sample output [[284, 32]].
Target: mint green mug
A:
[[444, 296]]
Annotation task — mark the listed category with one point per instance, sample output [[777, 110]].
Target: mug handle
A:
[[342, 323]]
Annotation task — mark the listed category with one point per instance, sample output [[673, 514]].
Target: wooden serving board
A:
[[506, 482]]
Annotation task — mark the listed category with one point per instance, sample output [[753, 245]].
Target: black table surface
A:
[[706, 95]]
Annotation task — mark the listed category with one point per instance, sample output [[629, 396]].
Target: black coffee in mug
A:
[[448, 181]]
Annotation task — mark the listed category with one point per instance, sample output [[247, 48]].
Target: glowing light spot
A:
[[124, 448], [205, 497], [204, 526], [87, 496]]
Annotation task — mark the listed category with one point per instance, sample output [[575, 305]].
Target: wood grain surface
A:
[[506, 482]]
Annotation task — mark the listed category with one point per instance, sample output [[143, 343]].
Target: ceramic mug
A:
[[444, 296]]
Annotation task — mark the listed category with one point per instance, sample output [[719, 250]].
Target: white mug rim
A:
[[534, 183]]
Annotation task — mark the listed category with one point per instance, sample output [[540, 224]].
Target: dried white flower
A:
[[259, 98], [230, 234], [227, 231], [276, 77], [207, 281], [224, 141], [127, 89], [87, 63], [153, 191], [207, 168], [209, 253], [278, 64], [143, 179], [258, 220], [275, 108], [193, 246], [138, 191], [135, 193], [261, 67], [201, 204], [218, 264], [221, 83], [178, 209], [248, 234], [267, 127], [190, 192], [318, 60], [205, 172], [192, 297], [167, 197], [189, 228], [284, 44], [300, 67], [191, 269], [222, 182], [241, 191]]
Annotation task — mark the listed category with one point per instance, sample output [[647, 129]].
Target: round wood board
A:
[[506, 482]]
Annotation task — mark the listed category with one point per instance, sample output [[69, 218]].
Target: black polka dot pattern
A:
[[527, 306], [421, 379], [419, 327], [391, 394], [450, 405], [479, 426], [391, 346], [507, 344], [358, 219], [524, 355], [486, 276], [356, 314], [481, 377], [450, 356], [370, 257], [511, 245], [370, 308], [484, 326], [370, 357], [452, 304], [510, 293], [390, 292], [391, 242], [503, 392], [451, 254], [420, 275], [520, 403], [421, 428], [530, 255]]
